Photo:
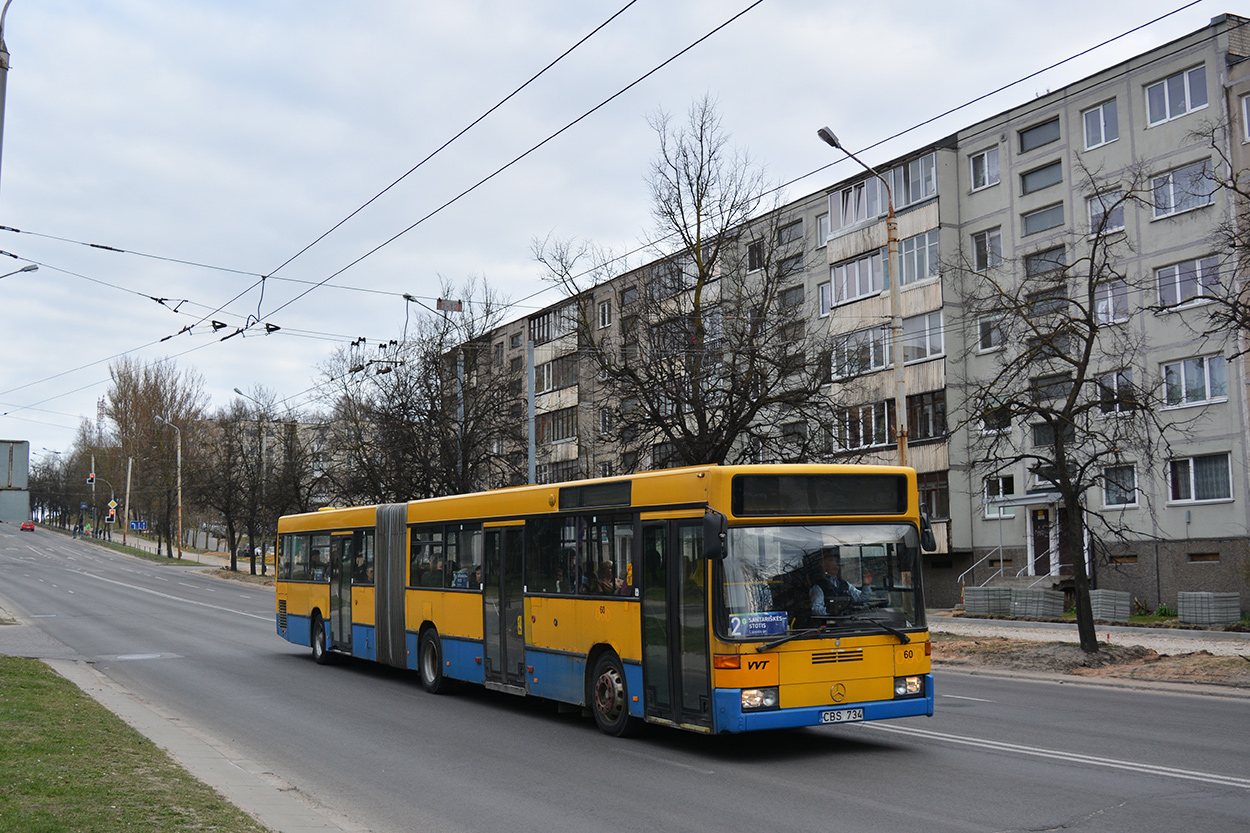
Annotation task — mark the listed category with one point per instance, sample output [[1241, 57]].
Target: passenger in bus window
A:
[[434, 578], [830, 584]]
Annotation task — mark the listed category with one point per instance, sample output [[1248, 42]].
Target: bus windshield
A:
[[779, 580]]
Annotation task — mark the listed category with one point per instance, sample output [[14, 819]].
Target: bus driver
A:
[[831, 584]]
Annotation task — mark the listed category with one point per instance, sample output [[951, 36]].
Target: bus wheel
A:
[[610, 699], [430, 663], [319, 652]]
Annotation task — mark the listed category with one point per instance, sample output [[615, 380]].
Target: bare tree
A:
[[424, 416], [139, 393], [710, 357], [1061, 394]]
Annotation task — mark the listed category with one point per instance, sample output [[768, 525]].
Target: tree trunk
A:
[[1072, 545]]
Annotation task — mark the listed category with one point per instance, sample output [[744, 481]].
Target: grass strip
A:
[[69, 764]]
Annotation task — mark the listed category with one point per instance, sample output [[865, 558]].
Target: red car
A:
[[28, 526]]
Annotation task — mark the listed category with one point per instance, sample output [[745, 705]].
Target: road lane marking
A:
[[1070, 757], [173, 597], [973, 699]]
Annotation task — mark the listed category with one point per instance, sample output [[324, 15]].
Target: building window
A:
[[1176, 95], [918, 258], [607, 420], [996, 420], [922, 337], [1047, 262], [1046, 302], [1195, 381], [1050, 386], [1101, 124], [555, 426], [860, 202], [998, 488], [1183, 189], [1039, 134], [791, 299], [1200, 478], [989, 334], [1106, 212], [1043, 219], [1116, 392], [987, 249], [514, 364], [866, 426], [1042, 177], [926, 415], [497, 354], [514, 341], [860, 352], [822, 230], [935, 494], [629, 296], [858, 278], [553, 324], [984, 169], [1111, 302], [1245, 118], [825, 291], [1119, 486], [605, 469], [605, 314], [1044, 435], [790, 233], [556, 374], [1187, 282]]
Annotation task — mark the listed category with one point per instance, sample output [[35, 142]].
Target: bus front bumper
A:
[[731, 718]]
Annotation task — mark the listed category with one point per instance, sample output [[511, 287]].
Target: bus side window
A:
[[320, 558], [299, 558]]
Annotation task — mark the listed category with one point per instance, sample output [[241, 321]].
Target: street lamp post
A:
[[159, 419], [896, 305], [30, 267]]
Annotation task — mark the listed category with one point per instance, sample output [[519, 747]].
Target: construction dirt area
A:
[[1127, 661]]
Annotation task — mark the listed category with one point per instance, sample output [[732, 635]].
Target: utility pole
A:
[[130, 461], [179, 432], [4, 69]]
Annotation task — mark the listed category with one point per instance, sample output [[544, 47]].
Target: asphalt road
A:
[[376, 752]]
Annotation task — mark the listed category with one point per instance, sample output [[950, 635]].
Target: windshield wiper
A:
[[903, 638], [768, 646]]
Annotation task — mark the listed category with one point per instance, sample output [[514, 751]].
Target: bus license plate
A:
[[842, 716]]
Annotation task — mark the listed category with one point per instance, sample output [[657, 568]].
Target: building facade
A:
[[1112, 177]]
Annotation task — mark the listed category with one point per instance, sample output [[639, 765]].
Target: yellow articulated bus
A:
[[710, 598]]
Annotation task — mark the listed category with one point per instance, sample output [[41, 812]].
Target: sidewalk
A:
[[1162, 640]]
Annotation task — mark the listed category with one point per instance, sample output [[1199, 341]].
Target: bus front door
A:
[[342, 556], [503, 609], [675, 670]]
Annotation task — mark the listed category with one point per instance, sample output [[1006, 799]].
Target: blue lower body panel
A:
[[731, 718]]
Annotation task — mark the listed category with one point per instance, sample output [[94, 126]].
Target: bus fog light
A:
[[757, 699], [908, 686]]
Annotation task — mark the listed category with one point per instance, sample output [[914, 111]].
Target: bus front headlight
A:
[[908, 686], [759, 699]]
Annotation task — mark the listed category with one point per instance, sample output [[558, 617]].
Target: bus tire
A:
[[430, 663], [320, 654], [609, 698]]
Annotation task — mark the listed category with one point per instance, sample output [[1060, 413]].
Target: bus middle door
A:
[[503, 609], [342, 557]]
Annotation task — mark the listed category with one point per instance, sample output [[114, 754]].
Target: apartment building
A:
[[1118, 163]]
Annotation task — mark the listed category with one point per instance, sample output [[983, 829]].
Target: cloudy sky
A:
[[211, 142]]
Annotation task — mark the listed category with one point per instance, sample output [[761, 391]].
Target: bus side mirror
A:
[[927, 542], [714, 526]]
